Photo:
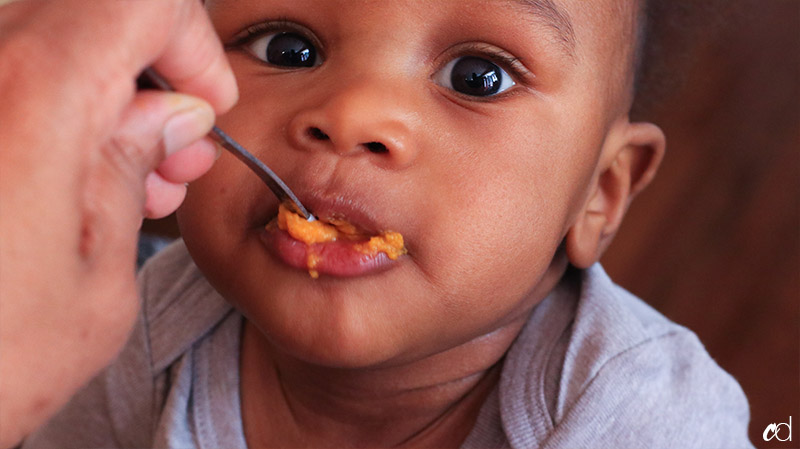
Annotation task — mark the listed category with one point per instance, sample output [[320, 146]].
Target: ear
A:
[[630, 157]]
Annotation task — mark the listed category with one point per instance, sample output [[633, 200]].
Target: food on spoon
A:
[[308, 232], [318, 231]]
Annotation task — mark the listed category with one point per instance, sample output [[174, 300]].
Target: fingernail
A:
[[186, 127]]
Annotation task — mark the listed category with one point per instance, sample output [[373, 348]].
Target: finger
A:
[[107, 44], [163, 197], [190, 163], [94, 51], [194, 60], [165, 188], [156, 125]]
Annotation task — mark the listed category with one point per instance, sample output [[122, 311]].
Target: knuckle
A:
[[127, 154]]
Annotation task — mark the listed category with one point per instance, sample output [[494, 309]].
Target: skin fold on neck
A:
[[291, 403]]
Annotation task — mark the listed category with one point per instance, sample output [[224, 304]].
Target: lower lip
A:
[[338, 258]]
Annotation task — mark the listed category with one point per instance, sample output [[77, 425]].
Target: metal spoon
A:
[[275, 184]]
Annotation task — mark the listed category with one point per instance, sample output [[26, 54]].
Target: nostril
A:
[[317, 134], [376, 147]]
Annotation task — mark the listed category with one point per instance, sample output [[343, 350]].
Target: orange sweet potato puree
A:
[[310, 232]]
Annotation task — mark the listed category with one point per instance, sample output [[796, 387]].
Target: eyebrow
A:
[[555, 17]]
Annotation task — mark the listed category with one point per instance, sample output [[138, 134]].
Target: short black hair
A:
[[667, 33]]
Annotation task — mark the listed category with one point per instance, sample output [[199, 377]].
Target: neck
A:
[[430, 402]]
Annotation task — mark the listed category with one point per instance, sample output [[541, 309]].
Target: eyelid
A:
[[508, 62], [255, 31]]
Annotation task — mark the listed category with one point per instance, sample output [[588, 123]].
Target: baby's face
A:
[[471, 127]]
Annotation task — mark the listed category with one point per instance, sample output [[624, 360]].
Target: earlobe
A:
[[628, 163]]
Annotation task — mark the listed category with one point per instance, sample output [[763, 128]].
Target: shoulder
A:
[[178, 304], [617, 373]]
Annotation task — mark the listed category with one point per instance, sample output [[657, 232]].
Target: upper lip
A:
[[346, 208], [332, 196], [349, 207]]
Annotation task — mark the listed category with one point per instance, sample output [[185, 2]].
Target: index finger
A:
[[194, 61], [106, 43]]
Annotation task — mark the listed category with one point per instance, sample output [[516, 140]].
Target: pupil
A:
[[287, 49], [476, 76]]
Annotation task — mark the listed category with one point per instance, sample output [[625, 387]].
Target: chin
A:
[[338, 328], [340, 348]]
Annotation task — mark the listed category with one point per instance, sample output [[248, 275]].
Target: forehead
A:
[[554, 16], [558, 14]]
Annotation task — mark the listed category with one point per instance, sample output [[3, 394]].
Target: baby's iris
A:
[[284, 49], [474, 76]]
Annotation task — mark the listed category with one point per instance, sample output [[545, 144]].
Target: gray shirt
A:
[[594, 367]]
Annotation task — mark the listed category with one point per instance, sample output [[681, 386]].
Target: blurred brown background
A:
[[714, 243]]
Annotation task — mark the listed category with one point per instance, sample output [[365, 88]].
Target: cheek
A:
[[222, 208], [488, 248], [230, 198], [499, 210]]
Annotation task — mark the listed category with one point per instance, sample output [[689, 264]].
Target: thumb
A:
[[153, 126], [156, 125]]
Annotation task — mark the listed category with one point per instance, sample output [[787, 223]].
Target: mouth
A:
[[344, 242]]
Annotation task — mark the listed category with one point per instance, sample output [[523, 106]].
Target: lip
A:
[[344, 208], [338, 258]]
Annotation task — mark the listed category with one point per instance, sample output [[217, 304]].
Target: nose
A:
[[358, 120]]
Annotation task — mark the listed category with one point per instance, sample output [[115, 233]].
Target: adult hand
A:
[[82, 160]]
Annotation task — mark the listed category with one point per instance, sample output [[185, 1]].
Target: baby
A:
[[493, 136]]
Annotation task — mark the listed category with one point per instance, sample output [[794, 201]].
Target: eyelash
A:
[[255, 31], [506, 61], [503, 59]]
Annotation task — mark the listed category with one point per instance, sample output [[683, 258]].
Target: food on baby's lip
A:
[[311, 263], [308, 232], [318, 231]]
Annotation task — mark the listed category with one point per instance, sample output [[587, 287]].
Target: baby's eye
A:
[[474, 76], [284, 49]]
